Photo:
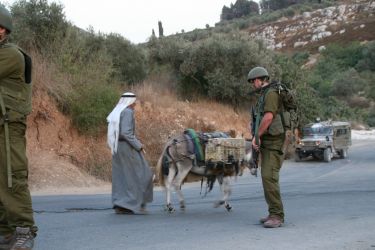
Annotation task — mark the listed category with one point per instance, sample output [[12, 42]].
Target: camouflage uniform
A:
[[16, 213]]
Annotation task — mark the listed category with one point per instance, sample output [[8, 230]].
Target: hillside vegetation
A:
[[195, 79]]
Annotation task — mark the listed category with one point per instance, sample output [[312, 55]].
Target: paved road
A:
[[327, 205]]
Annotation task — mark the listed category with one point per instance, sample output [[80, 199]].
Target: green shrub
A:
[[343, 56], [300, 58], [128, 60], [90, 105], [82, 54], [289, 12], [367, 61], [371, 119], [221, 61], [242, 24], [347, 83], [38, 23]]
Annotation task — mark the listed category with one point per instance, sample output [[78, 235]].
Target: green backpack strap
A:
[[260, 108], [256, 132], [7, 142]]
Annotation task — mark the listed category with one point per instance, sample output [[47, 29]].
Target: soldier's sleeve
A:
[[10, 61], [271, 102], [127, 129]]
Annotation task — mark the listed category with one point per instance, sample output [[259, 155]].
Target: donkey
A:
[[177, 161]]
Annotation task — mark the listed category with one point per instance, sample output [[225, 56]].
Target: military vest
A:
[[276, 127], [16, 89]]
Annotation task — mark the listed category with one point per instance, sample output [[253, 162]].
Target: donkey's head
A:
[[248, 159]]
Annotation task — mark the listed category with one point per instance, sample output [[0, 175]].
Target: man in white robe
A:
[[132, 178]]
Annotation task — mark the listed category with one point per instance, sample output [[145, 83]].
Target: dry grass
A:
[[160, 115]]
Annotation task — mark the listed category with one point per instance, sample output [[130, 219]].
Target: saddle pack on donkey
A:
[[214, 153]]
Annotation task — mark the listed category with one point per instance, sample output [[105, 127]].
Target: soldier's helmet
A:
[[5, 19], [257, 72]]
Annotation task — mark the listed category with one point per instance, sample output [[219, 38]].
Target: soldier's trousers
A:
[[15, 203], [271, 161]]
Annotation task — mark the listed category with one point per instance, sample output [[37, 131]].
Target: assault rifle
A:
[[254, 162], [254, 153]]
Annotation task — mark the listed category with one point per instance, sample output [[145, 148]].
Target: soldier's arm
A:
[[9, 59], [271, 106], [265, 123]]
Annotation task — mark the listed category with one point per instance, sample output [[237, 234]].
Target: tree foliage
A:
[[86, 61], [344, 80], [217, 67], [38, 23], [128, 61], [239, 9], [272, 5]]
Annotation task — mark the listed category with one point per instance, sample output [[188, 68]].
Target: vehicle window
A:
[[342, 131], [317, 131]]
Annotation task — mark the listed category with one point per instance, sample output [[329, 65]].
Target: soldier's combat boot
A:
[[24, 239], [273, 222], [264, 219], [5, 241]]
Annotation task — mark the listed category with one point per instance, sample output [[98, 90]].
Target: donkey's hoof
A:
[[182, 206], [228, 207], [218, 203], [168, 208]]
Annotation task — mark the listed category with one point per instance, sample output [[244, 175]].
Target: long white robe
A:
[[132, 179]]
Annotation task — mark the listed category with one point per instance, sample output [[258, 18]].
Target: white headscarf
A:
[[113, 120]]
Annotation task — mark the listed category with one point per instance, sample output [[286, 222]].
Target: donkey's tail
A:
[[160, 168]]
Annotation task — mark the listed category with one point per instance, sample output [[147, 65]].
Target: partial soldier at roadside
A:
[[17, 227], [268, 139]]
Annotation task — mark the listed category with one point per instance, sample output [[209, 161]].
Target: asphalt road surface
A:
[[327, 206]]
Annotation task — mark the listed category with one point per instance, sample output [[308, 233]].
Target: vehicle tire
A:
[[327, 154], [343, 153], [297, 157]]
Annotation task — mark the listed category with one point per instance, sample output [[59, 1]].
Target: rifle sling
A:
[[7, 142]]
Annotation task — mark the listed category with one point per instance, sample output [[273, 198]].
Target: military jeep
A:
[[324, 140]]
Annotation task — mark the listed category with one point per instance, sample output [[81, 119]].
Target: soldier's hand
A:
[[255, 146]]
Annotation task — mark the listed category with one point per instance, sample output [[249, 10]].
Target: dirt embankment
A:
[[57, 154]]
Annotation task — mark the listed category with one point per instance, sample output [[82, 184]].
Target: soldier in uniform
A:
[[268, 139], [17, 229]]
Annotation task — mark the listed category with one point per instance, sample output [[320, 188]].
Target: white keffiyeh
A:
[[113, 120]]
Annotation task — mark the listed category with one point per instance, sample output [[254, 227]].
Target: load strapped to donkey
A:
[[212, 154], [215, 156]]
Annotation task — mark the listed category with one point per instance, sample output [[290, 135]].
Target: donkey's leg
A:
[[183, 168], [221, 201], [168, 187], [225, 188], [227, 191]]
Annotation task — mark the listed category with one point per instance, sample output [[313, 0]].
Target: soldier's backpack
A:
[[289, 112]]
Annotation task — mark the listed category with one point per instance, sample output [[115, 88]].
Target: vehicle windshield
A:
[[316, 131]]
